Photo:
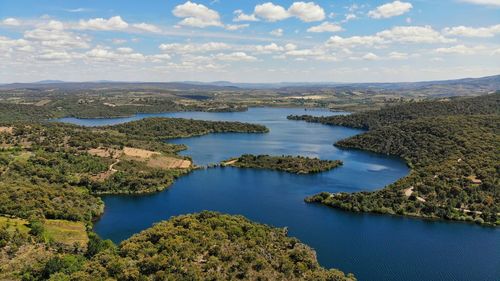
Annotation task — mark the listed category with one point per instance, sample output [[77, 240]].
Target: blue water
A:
[[373, 247]]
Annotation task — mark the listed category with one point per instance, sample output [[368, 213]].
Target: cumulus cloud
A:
[[236, 56], [240, 16], [113, 23], [466, 31], [271, 12], [307, 12], [267, 49], [54, 56], [398, 55], [100, 53], [277, 32], [460, 49], [196, 15], [413, 34], [353, 41], [147, 27], [389, 10], [325, 27], [397, 34], [53, 35], [194, 48]]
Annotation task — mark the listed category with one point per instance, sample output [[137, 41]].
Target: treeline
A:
[[290, 164], [454, 160], [47, 170], [167, 128], [204, 246], [489, 104]]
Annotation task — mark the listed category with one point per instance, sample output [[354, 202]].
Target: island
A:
[[288, 163], [452, 146]]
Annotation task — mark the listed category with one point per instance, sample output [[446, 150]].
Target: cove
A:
[[373, 247]]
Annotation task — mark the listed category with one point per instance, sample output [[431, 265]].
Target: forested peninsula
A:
[[288, 163], [452, 147], [53, 170]]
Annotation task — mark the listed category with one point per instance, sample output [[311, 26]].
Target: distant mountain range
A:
[[446, 87]]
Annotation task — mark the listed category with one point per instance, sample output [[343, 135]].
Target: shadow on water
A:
[[373, 247]]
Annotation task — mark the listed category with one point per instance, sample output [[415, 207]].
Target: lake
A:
[[373, 247]]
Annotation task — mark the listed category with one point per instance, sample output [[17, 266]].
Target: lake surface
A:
[[373, 247]]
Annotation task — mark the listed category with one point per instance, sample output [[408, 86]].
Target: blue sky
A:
[[248, 41]]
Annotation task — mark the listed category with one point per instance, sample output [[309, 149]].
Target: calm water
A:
[[371, 246]]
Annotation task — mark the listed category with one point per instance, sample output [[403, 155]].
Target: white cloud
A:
[[54, 56], [397, 34], [233, 27], [11, 22], [147, 27], [370, 56], [413, 34], [113, 23], [349, 17], [267, 49], [125, 50], [304, 53], [325, 27], [466, 31], [484, 2], [271, 12], [389, 10], [77, 10], [277, 32], [460, 49], [196, 15], [100, 53], [240, 16], [194, 48], [53, 35], [236, 56], [353, 41], [398, 56], [307, 12]]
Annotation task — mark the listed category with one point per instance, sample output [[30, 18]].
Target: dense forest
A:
[[167, 128], [53, 170], [489, 104], [204, 246], [453, 150], [288, 163]]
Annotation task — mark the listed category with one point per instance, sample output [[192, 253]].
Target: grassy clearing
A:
[[66, 232], [14, 223]]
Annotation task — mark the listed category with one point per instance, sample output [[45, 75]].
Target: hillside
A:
[[53, 170], [453, 150], [204, 246]]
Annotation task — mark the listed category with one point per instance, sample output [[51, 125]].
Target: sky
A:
[[248, 41]]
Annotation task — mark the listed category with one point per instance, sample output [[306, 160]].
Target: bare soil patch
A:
[[165, 162]]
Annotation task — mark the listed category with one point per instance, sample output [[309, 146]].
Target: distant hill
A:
[[458, 87]]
